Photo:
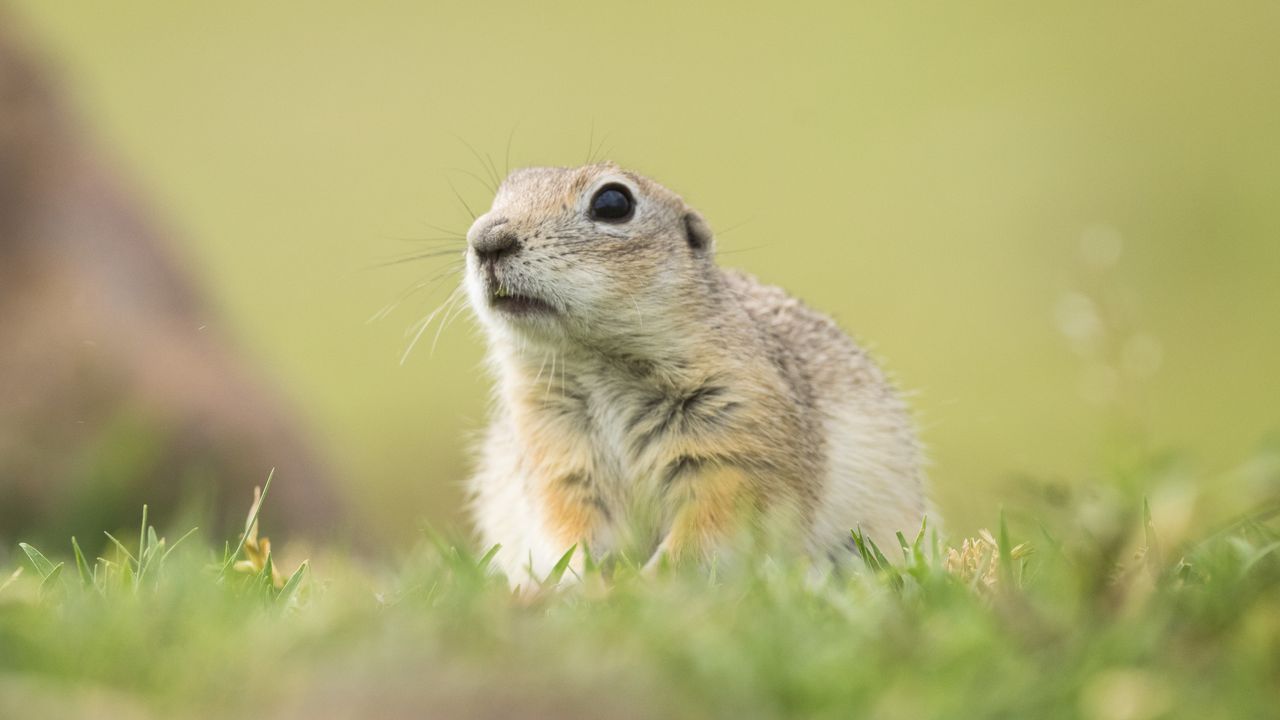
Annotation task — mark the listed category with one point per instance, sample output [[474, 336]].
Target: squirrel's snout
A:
[[493, 241]]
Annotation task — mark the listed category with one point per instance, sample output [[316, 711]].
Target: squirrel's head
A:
[[595, 254]]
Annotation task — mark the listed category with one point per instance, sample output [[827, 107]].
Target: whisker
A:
[[446, 231], [423, 324], [464, 202], [483, 182], [494, 168], [413, 288], [538, 377], [639, 315], [459, 306], [605, 151], [506, 158], [433, 240], [450, 237], [564, 377], [551, 378], [735, 251], [413, 257], [479, 158], [735, 226]]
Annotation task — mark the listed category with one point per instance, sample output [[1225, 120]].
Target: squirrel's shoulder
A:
[[784, 315], [825, 354]]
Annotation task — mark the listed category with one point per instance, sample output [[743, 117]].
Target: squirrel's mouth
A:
[[516, 304]]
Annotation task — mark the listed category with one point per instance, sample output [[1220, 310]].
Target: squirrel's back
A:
[[873, 476]]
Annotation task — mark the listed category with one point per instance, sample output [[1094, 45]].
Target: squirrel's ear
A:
[[697, 232]]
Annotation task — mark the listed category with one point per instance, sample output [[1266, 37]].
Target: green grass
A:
[[1084, 610]]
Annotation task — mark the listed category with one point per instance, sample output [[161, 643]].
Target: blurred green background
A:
[[1049, 220]]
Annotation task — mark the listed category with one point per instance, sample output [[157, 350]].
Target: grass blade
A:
[[268, 575], [487, 558], [917, 546], [906, 549], [13, 577], [253, 518], [291, 586], [82, 565], [120, 546], [561, 566], [142, 540], [1153, 556], [153, 543], [868, 558], [37, 558], [880, 558], [169, 550], [51, 580], [147, 551], [1005, 549]]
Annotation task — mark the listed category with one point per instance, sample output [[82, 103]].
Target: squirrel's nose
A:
[[494, 241]]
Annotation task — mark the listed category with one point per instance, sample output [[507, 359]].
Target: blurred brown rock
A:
[[115, 387]]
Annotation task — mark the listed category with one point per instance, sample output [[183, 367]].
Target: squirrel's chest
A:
[[612, 463], [604, 430], [619, 441]]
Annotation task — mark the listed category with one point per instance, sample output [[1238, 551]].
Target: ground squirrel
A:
[[644, 395]]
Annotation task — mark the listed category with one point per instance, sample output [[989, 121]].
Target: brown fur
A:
[[664, 400]]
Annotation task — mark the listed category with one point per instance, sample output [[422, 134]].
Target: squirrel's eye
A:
[[613, 203]]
